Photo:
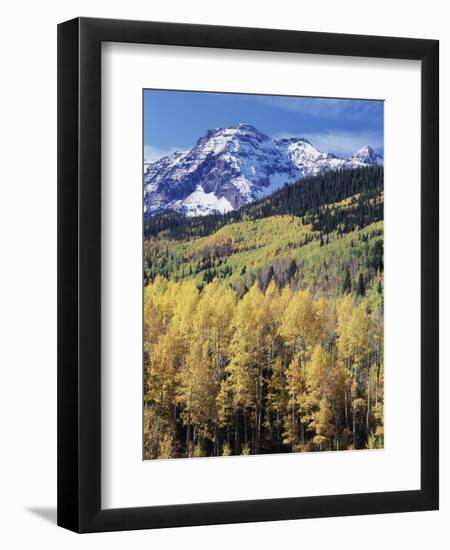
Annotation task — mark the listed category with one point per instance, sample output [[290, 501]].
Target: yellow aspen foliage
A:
[[300, 325], [245, 349], [271, 371]]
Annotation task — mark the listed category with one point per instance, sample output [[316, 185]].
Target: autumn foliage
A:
[[265, 334], [275, 371]]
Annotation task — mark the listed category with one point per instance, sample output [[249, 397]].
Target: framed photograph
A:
[[247, 276]]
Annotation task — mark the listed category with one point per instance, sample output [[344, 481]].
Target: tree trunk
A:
[[378, 383], [188, 436], [346, 407], [216, 439], [236, 434], [355, 395], [245, 428], [188, 428], [259, 420], [278, 430], [368, 404]]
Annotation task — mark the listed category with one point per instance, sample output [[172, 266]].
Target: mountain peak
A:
[[293, 139], [367, 155], [366, 149], [245, 126], [239, 127], [216, 139]]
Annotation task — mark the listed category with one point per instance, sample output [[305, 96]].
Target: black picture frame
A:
[[79, 274]]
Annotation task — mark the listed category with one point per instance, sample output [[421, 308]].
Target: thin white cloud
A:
[[341, 143], [154, 153], [352, 109]]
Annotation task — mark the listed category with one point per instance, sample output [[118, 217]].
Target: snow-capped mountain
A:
[[365, 156], [230, 167]]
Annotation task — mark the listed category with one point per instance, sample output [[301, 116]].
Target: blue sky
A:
[[175, 120]]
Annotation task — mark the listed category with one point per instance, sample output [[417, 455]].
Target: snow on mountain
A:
[[366, 155], [307, 159], [200, 203], [230, 167]]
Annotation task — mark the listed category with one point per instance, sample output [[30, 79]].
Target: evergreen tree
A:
[[361, 288], [346, 281]]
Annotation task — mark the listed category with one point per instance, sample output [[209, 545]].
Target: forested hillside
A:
[[263, 327], [306, 196]]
